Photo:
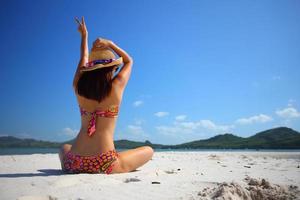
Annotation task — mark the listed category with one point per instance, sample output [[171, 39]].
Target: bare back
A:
[[102, 140]]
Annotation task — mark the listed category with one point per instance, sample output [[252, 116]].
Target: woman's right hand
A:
[[82, 27]]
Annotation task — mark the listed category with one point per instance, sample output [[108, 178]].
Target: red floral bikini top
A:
[[112, 112]]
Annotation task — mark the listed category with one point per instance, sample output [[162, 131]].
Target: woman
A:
[[99, 93]]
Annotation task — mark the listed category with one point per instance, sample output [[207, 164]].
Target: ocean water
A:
[[24, 151]]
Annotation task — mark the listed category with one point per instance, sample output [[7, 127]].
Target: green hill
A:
[[277, 138], [220, 141], [127, 144], [9, 141]]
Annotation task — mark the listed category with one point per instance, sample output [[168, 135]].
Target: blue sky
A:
[[201, 68]]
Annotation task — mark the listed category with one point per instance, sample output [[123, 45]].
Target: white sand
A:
[[181, 175]]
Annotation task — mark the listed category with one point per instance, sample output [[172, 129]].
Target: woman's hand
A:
[[101, 43], [82, 27]]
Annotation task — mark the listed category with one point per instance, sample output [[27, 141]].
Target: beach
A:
[[169, 175]]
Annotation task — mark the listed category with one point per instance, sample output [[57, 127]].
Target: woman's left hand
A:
[[101, 43], [82, 27]]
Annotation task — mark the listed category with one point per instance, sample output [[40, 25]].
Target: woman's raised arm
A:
[[123, 76], [84, 50]]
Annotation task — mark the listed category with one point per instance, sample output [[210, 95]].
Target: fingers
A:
[[82, 20], [78, 21], [97, 41]]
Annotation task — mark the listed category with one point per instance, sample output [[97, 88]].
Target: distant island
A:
[[277, 138]]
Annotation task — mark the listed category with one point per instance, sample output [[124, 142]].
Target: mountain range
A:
[[276, 138]]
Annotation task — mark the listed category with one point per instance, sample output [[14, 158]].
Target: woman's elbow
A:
[[128, 63], [129, 60]]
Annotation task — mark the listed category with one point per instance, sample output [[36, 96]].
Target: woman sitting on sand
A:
[[99, 92]]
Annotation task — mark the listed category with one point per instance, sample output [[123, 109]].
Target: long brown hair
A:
[[96, 84]]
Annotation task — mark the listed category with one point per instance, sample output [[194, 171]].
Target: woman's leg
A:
[[62, 152], [132, 159]]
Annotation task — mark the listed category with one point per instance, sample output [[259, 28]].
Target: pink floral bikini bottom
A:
[[101, 163]]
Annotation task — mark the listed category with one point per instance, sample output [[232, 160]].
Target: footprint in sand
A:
[[213, 157], [65, 182], [47, 197], [131, 180], [170, 171]]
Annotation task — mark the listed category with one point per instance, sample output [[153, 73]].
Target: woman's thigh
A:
[[132, 159]]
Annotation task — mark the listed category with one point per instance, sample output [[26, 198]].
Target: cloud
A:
[[137, 130], [180, 117], [193, 127], [255, 84], [69, 132], [161, 114], [276, 78], [288, 113], [169, 130], [132, 132], [138, 103], [261, 118], [139, 121], [291, 102]]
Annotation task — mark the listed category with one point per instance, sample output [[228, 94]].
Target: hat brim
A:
[[118, 61]]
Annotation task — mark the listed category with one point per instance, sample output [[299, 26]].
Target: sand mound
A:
[[253, 189]]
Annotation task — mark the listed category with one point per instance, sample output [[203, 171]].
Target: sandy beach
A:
[[169, 175]]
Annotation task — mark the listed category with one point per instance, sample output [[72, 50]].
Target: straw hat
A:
[[101, 58]]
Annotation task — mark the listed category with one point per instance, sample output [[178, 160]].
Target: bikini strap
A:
[[112, 111]]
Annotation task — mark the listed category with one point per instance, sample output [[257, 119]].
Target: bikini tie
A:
[[110, 112]]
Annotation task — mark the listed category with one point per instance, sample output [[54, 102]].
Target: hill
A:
[[277, 138], [220, 141], [10, 141]]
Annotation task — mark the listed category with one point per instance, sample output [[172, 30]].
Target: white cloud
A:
[[161, 114], [255, 84], [276, 77], [207, 124], [180, 117], [69, 132], [291, 102], [168, 130], [289, 112], [135, 129], [191, 127], [139, 121], [261, 118], [132, 132], [137, 103]]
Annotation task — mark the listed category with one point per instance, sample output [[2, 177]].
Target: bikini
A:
[[101, 163]]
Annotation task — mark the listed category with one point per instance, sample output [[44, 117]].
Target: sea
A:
[[26, 151]]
